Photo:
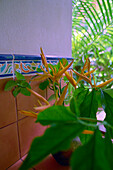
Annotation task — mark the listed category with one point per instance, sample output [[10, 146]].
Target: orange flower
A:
[[31, 114], [105, 83], [41, 98], [70, 78], [61, 99], [44, 61]]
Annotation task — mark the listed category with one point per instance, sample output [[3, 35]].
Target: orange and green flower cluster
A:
[[55, 75]]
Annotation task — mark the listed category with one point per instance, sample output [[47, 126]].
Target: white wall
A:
[[25, 25]]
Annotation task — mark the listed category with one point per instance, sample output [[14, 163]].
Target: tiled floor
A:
[[7, 106], [9, 150], [48, 164], [15, 166], [28, 129]]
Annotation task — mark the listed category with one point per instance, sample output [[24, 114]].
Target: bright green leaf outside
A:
[[56, 138], [91, 155], [9, 85], [44, 85], [56, 114], [19, 76]]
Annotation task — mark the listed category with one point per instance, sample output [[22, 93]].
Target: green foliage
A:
[[74, 106], [107, 104], [18, 85], [39, 70], [92, 35], [57, 114], [66, 123], [91, 155], [44, 85], [58, 137], [19, 76], [10, 84]]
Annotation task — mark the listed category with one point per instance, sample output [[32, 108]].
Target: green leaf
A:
[[52, 97], [110, 9], [23, 83], [56, 138], [98, 97], [39, 70], [109, 147], [109, 91], [89, 106], [84, 138], [74, 107], [107, 104], [101, 9], [106, 11], [55, 114], [78, 91], [25, 92], [16, 91], [9, 85], [93, 12], [19, 76], [91, 155], [81, 95], [88, 14], [44, 85]]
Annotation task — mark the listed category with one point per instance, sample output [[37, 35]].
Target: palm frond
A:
[[93, 24], [92, 29]]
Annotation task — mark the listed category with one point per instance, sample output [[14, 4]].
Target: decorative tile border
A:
[[25, 64]]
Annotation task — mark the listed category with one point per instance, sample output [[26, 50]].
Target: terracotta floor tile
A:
[[15, 166], [7, 105], [28, 129], [9, 150], [23, 158]]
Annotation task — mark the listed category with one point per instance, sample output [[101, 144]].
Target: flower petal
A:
[[59, 74], [41, 108], [83, 77], [105, 83], [70, 78], [62, 97], [26, 113], [41, 98], [42, 77], [44, 61]]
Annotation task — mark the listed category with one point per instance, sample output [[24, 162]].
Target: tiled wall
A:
[[17, 131]]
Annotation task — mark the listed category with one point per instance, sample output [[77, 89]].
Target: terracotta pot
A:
[[63, 157]]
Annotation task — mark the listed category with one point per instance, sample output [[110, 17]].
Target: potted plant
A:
[[66, 122]]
